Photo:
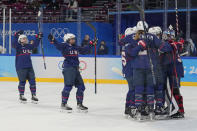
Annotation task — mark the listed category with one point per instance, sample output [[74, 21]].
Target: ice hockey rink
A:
[[105, 111]]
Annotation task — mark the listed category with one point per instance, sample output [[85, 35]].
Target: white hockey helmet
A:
[[158, 29], [140, 25], [68, 36], [22, 37], [155, 30], [130, 31], [152, 30]]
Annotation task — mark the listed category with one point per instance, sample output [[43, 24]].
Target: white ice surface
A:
[[105, 111]]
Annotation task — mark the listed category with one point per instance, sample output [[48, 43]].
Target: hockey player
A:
[[173, 71], [23, 64], [128, 71], [142, 73], [72, 76], [160, 112]]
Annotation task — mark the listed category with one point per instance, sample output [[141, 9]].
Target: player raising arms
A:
[[23, 64], [72, 76]]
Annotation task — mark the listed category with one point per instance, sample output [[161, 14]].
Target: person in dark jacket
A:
[[103, 49], [86, 42]]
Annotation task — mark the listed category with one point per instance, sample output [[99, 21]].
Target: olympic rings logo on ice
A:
[[59, 32], [26, 32]]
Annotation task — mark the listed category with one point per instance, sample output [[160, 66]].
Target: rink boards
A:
[[108, 70]]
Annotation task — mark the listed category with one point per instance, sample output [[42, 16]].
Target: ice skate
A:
[[141, 114], [178, 115], [160, 113], [34, 99], [22, 99], [151, 114], [82, 108], [127, 112], [65, 108]]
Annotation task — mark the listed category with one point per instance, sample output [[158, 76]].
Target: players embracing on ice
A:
[[23, 64], [127, 69], [173, 70], [142, 73], [160, 112], [72, 76]]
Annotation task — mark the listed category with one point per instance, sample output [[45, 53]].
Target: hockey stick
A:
[[95, 63], [177, 18], [142, 18], [174, 58], [118, 71], [40, 28]]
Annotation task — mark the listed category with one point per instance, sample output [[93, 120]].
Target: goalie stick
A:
[[40, 29], [95, 63]]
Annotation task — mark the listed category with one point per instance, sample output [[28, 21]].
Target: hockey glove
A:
[[39, 35], [18, 33], [93, 42], [142, 44]]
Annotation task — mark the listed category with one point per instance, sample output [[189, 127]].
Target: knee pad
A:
[[32, 82], [150, 90], [81, 88], [67, 88], [130, 92], [22, 83], [160, 88], [139, 89]]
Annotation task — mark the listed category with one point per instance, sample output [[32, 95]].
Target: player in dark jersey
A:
[[23, 63], [127, 70], [72, 76], [173, 71]]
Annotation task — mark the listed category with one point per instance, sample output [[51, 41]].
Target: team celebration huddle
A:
[[153, 68], [151, 64]]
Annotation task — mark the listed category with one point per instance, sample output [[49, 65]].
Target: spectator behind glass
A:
[[54, 5], [73, 8], [102, 49], [66, 10], [85, 42], [2, 50]]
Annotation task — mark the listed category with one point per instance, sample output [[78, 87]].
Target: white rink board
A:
[[54, 66]]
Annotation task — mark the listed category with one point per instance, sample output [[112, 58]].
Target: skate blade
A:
[[34, 102], [81, 111], [65, 111], [23, 102], [151, 117], [141, 118], [176, 118], [162, 117], [127, 116]]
